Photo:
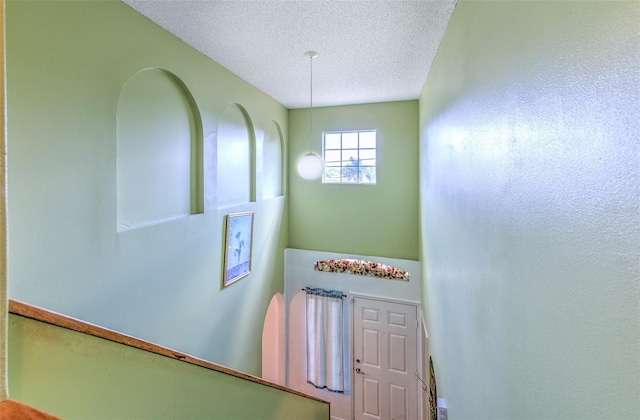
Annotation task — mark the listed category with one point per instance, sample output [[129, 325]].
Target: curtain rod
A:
[[307, 289]]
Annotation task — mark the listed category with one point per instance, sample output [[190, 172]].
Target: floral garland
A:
[[362, 268]]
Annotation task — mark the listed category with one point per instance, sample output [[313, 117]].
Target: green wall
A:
[[530, 217], [77, 376], [376, 220], [67, 63]]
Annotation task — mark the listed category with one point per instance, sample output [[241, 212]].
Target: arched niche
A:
[[272, 162], [273, 341], [159, 150], [235, 157]]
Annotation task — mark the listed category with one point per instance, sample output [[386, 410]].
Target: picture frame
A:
[[237, 248]]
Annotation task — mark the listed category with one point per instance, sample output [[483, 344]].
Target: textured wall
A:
[[530, 210], [379, 219], [161, 283]]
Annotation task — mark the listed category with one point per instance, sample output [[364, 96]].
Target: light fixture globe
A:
[[310, 166]]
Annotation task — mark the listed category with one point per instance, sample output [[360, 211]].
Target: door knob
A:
[[358, 371]]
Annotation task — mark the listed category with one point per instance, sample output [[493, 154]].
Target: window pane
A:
[[332, 141], [349, 156], [368, 162], [367, 154], [367, 175], [332, 174], [332, 157], [350, 140], [367, 139], [350, 174]]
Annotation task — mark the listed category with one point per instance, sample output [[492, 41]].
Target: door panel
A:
[[371, 348], [371, 398], [398, 353], [399, 402], [385, 360]]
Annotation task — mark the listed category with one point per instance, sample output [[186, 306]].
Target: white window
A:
[[349, 157]]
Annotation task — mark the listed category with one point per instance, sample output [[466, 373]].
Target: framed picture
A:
[[237, 253]]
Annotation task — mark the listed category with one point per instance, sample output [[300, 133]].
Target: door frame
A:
[[419, 346]]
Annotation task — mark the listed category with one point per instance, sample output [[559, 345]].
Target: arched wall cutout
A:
[[236, 157], [159, 150], [273, 341], [283, 158], [273, 159]]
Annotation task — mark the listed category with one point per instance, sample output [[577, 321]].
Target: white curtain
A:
[[324, 339]]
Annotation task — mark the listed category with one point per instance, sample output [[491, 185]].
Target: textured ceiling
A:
[[369, 50]]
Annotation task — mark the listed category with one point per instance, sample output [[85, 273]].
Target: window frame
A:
[[341, 150]]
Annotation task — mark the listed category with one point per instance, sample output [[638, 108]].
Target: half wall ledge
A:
[[63, 321]]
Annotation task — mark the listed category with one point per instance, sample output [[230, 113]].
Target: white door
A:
[[385, 360]]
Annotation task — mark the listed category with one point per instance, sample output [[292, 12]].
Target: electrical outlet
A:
[[442, 409]]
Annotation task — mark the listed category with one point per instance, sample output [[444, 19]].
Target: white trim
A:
[[384, 299]]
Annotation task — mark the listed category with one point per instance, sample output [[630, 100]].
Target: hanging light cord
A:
[[311, 165], [311, 104]]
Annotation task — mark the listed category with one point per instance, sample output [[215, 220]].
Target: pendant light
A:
[[311, 166]]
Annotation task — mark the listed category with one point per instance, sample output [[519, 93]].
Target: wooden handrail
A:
[[33, 312]]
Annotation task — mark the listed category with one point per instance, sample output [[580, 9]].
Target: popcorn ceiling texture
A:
[[373, 51]]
